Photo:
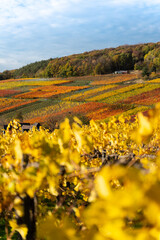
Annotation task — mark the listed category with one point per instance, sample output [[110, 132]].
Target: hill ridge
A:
[[144, 57]]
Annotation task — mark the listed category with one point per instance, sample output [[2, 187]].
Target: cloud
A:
[[133, 2], [13, 12], [16, 59], [40, 29], [3, 61], [19, 17]]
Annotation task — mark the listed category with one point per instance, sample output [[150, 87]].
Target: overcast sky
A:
[[33, 30]]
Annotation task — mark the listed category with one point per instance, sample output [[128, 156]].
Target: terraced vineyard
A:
[[93, 97]]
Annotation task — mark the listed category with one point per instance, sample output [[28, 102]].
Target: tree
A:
[[145, 71]]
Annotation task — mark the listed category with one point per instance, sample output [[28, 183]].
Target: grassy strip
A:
[[49, 91], [26, 109], [146, 98], [57, 107], [130, 112], [112, 78], [17, 107], [157, 80], [15, 84], [112, 93], [136, 110], [10, 103], [89, 92], [132, 92]]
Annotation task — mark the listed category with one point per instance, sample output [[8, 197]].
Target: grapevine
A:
[[97, 181]]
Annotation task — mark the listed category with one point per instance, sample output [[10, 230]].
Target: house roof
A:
[[24, 126]]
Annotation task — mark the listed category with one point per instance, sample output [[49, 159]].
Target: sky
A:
[[34, 30]]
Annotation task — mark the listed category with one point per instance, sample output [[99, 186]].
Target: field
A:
[[91, 97]]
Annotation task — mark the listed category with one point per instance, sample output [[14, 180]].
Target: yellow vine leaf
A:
[[22, 229]]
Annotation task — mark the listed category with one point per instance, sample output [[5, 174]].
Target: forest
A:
[[145, 57]]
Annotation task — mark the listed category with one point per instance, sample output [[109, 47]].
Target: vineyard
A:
[[99, 180], [96, 181], [92, 97]]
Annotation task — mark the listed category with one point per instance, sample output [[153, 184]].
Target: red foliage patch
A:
[[82, 109], [104, 113], [8, 92], [113, 78], [16, 105], [146, 98], [48, 91]]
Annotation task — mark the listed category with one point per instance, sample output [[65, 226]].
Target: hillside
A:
[[145, 57], [65, 182], [100, 97]]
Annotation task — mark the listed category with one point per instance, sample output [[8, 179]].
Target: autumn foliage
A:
[[77, 198]]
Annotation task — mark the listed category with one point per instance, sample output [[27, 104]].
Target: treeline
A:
[[6, 74], [31, 70], [145, 57]]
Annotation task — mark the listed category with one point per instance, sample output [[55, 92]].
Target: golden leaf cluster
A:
[[77, 199]]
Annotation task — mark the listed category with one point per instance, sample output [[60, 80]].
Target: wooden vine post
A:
[[30, 209]]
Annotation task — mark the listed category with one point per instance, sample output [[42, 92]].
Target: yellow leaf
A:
[[102, 187], [22, 229], [18, 150]]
